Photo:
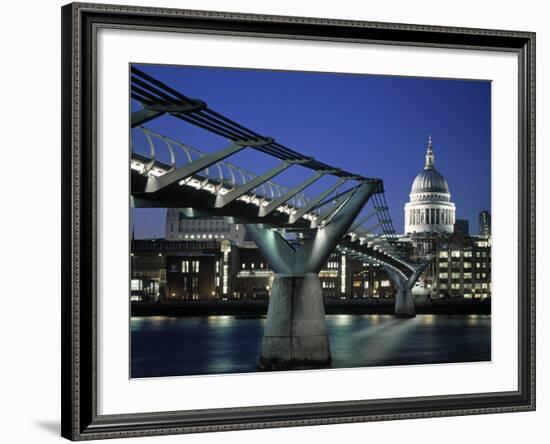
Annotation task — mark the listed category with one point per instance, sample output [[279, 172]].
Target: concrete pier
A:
[[295, 334], [404, 299], [404, 304]]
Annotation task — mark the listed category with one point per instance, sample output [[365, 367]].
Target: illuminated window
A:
[[455, 253], [443, 254], [195, 283], [343, 277], [135, 284], [195, 266], [455, 286], [467, 265], [185, 266], [225, 280], [467, 275], [455, 275], [467, 254], [443, 275], [443, 265], [385, 283]]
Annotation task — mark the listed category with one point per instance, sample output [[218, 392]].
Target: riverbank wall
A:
[[255, 308]]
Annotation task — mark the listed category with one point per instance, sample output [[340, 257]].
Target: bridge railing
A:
[[150, 150]]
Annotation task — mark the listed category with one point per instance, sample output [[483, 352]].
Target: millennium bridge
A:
[[294, 229]]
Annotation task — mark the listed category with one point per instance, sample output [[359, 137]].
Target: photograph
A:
[[306, 221]]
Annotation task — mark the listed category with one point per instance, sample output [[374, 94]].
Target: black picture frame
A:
[[79, 386]]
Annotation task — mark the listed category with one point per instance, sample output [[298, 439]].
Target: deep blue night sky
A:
[[376, 126]]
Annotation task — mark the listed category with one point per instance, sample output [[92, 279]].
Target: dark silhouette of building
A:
[[485, 223], [462, 226]]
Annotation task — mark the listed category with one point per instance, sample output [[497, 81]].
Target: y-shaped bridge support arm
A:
[[404, 299], [295, 334]]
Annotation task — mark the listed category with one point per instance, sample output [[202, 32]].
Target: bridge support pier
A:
[[404, 303], [295, 334], [404, 299]]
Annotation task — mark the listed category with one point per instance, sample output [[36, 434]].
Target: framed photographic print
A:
[[278, 221]]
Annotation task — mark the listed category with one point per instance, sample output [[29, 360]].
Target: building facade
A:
[[179, 227], [180, 270], [462, 267]]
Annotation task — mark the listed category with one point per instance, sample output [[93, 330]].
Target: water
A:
[[169, 346]]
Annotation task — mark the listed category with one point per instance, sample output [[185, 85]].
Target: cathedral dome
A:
[[429, 180]]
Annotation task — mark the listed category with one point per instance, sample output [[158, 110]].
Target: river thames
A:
[[178, 346]]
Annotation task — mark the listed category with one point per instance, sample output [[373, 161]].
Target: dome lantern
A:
[[430, 158]]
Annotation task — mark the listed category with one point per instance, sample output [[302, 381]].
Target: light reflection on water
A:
[[171, 346]]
